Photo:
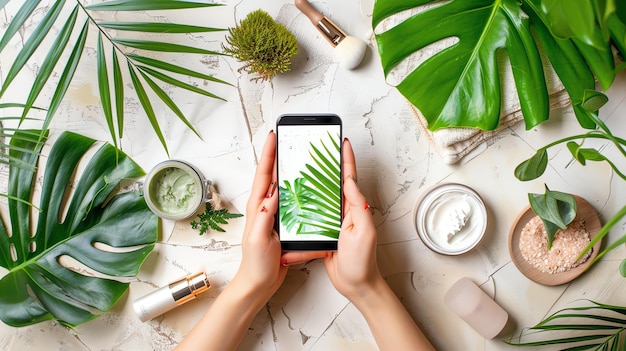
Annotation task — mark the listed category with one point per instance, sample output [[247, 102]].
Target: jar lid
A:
[[450, 218]]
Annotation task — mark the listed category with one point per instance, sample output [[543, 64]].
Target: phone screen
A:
[[308, 157]]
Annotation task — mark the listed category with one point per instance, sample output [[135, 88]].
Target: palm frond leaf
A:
[[610, 335], [108, 91]]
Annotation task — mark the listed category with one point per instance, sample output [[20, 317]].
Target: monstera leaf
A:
[[110, 235], [460, 84], [313, 202]]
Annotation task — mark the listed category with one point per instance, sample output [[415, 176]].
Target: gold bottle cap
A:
[[189, 287]]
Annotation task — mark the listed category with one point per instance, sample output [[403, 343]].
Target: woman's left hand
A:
[[260, 267]]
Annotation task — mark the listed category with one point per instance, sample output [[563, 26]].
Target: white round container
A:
[[175, 190], [451, 219]]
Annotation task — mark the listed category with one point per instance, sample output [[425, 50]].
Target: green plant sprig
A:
[[610, 335], [211, 219], [536, 165], [263, 45]]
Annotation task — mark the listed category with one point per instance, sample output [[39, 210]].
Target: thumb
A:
[[357, 204]]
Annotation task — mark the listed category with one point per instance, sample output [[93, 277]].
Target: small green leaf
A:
[[144, 5], [162, 46], [556, 210], [622, 268], [574, 149], [593, 100], [156, 27], [534, 167]]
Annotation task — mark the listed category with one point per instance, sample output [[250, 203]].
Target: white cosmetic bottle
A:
[[171, 296]]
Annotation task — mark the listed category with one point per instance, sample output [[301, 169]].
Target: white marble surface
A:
[[395, 164]]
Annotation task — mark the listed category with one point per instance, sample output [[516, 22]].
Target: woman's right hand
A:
[[352, 268]]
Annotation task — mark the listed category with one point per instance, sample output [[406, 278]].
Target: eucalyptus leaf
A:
[[38, 287], [556, 210]]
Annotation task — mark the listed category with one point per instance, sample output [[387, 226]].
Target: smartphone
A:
[[309, 173]]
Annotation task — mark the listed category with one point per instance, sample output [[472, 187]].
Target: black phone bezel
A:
[[304, 120]]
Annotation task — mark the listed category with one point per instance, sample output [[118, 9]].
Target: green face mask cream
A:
[[175, 190]]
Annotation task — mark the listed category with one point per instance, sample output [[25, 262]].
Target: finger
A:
[[294, 257], [356, 203], [349, 163], [265, 171]]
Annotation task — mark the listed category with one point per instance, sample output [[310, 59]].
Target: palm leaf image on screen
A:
[[312, 203]]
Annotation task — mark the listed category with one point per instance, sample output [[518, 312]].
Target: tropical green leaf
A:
[[18, 20], [556, 210], [51, 60], [162, 46], [37, 286], [175, 82], [459, 85], [67, 75], [104, 89], [118, 84], [147, 106], [157, 27], [32, 43], [143, 5], [169, 102], [174, 68], [569, 65], [585, 322]]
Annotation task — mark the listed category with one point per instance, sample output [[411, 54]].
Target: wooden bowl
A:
[[593, 225]]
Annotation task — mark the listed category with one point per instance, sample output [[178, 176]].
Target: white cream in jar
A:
[[451, 219]]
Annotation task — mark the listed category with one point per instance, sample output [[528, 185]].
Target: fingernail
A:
[[367, 206], [271, 131], [263, 209], [270, 190], [283, 262]]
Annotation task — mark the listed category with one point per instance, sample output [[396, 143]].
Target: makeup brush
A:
[[349, 50]]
